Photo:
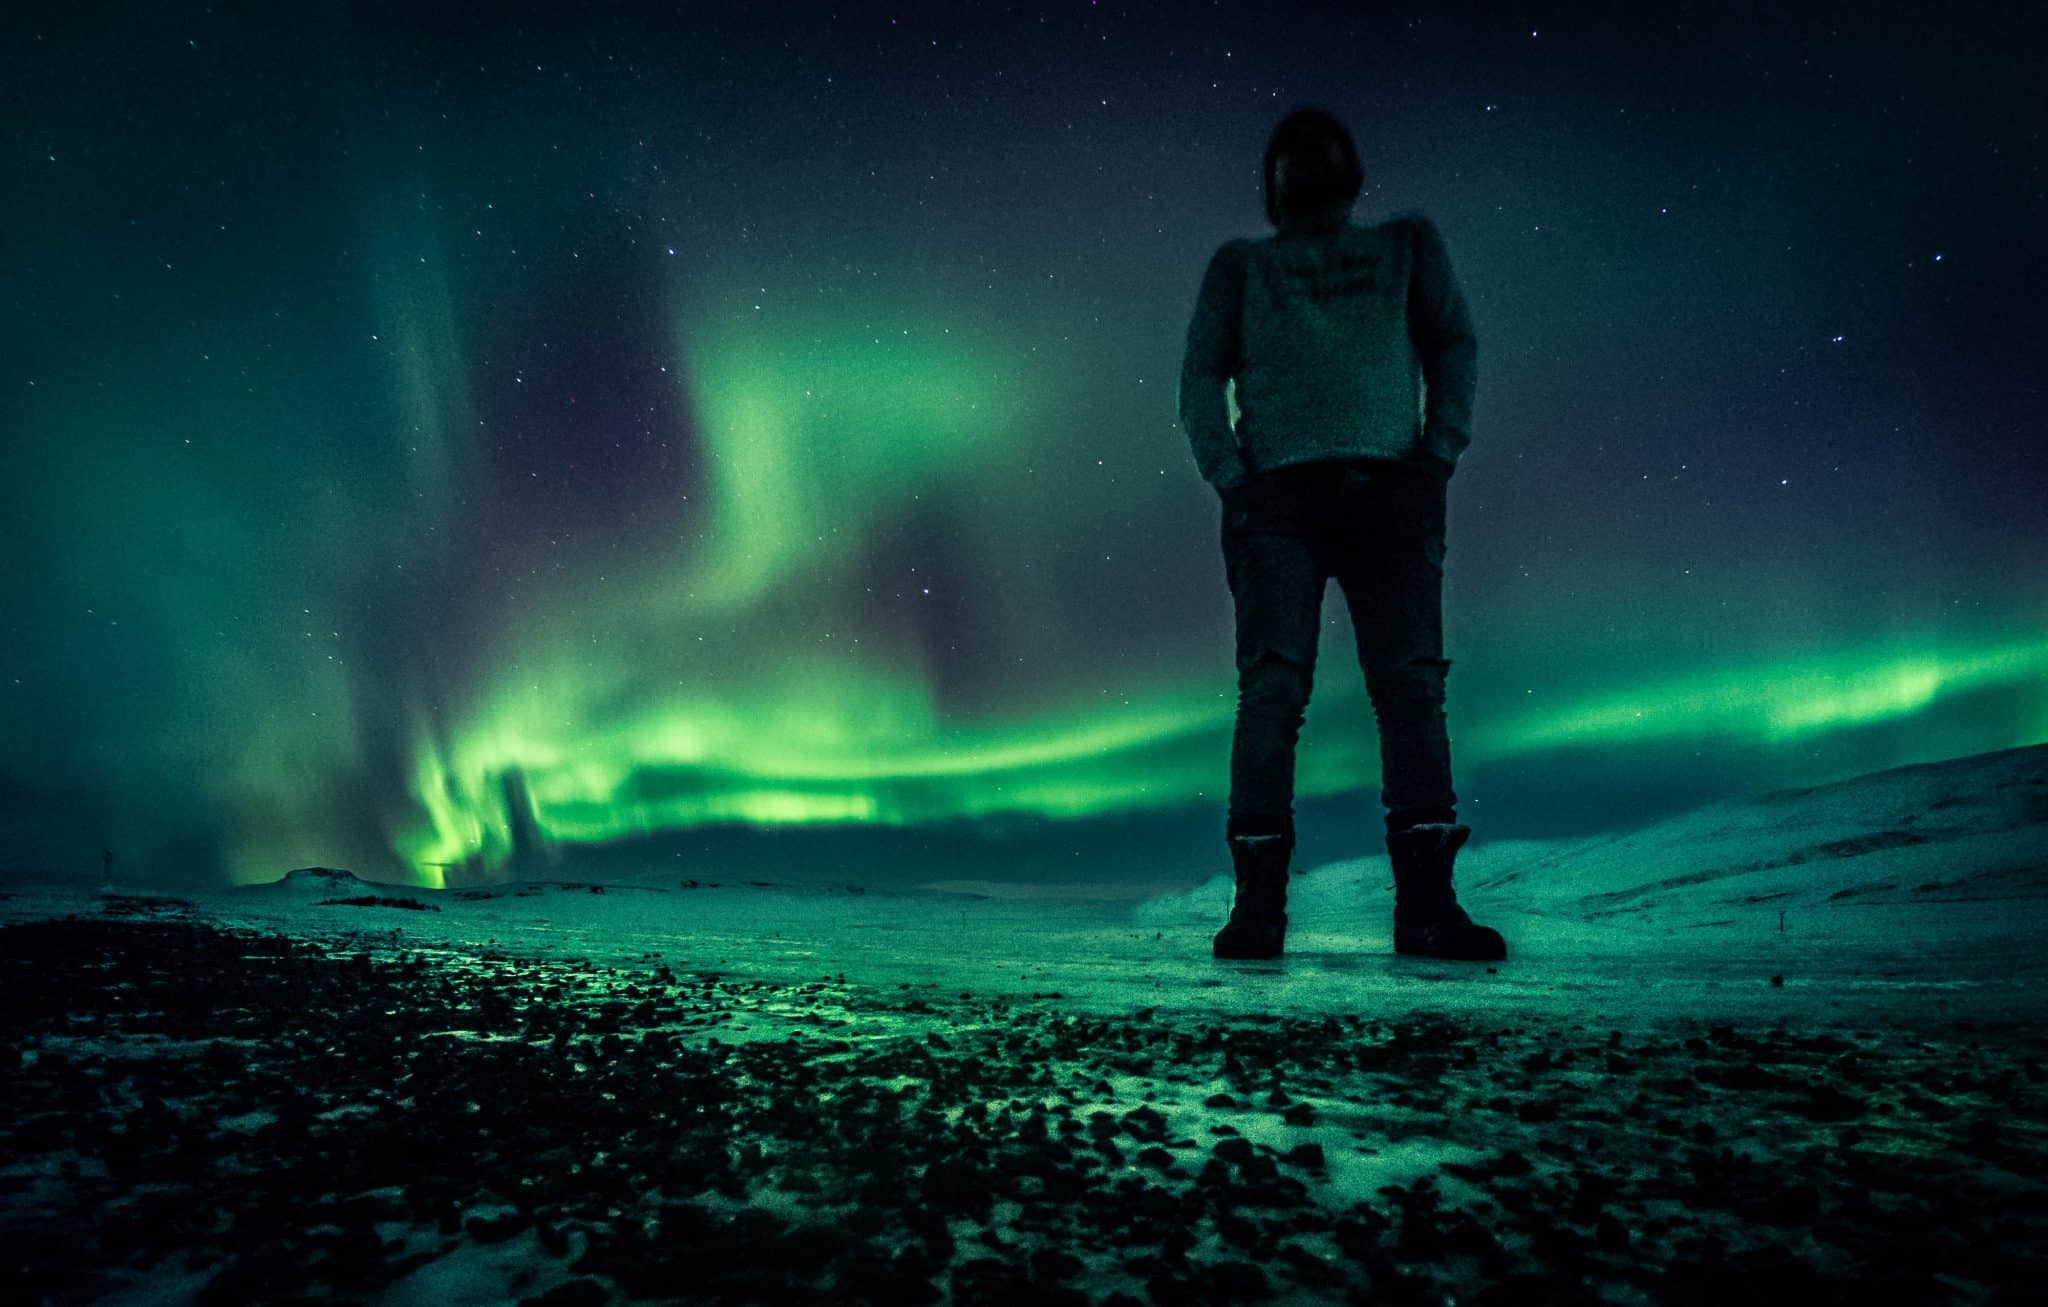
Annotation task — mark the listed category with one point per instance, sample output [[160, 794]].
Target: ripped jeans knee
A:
[[1272, 701], [1416, 680]]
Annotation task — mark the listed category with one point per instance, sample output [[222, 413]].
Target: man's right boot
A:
[[1427, 919], [1258, 917]]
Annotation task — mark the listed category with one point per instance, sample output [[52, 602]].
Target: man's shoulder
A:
[[1415, 226], [1395, 227], [1410, 227], [1229, 261], [1236, 249]]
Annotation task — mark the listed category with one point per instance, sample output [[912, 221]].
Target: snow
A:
[[1917, 886], [1789, 975]]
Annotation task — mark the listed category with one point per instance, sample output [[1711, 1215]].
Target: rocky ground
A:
[[193, 1113]]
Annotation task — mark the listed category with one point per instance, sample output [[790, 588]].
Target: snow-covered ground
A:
[[1920, 888], [1788, 1045]]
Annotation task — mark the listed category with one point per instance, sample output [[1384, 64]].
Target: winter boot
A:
[[1427, 919], [1258, 918]]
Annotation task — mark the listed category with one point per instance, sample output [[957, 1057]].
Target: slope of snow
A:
[[1968, 830]]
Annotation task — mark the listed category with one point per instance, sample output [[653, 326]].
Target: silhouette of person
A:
[[1354, 364]]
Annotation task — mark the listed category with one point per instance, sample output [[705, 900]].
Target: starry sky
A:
[[452, 445]]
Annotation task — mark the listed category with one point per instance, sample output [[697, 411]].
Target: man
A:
[[1334, 333]]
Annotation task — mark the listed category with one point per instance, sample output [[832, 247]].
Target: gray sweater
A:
[[1331, 331]]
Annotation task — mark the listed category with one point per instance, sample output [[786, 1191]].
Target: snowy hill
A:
[[1966, 829], [1887, 892]]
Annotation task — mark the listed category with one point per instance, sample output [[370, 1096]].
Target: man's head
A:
[[1311, 167]]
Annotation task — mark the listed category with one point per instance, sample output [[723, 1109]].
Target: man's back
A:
[[1331, 335]]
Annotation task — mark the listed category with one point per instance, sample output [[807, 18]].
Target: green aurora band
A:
[[603, 752], [870, 750]]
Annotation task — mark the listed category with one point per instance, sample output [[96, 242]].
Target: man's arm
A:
[[1442, 328], [1207, 366]]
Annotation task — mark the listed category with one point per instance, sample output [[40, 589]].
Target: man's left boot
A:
[[1427, 919]]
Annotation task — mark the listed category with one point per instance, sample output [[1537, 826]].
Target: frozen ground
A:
[[1923, 889], [743, 1091]]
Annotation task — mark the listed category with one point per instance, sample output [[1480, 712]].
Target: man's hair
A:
[[1322, 163]]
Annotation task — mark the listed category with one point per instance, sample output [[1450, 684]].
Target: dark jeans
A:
[[1378, 528]]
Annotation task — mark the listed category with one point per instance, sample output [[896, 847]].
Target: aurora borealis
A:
[[435, 439]]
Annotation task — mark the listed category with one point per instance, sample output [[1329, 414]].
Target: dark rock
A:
[[1501, 1165], [1052, 1264], [1259, 1167], [1611, 1236], [956, 1185], [1308, 1156], [992, 1280], [1589, 1199], [1234, 1281], [580, 1292], [1235, 1229], [1826, 1103]]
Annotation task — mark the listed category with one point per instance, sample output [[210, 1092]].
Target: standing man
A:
[[1334, 333]]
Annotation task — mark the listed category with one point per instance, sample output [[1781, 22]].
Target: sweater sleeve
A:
[[1207, 366], [1441, 326]]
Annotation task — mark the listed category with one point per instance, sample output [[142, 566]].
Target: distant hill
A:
[[319, 880]]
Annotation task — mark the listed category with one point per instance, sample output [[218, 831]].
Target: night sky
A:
[[428, 447]]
